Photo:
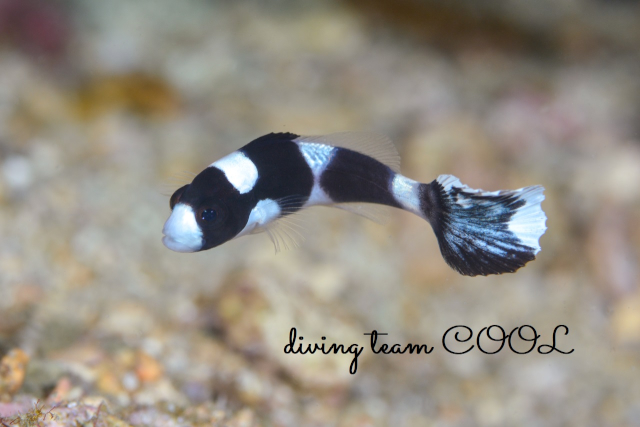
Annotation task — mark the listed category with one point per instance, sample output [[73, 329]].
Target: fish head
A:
[[205, 214]]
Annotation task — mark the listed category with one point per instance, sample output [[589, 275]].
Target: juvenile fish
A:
[[252, 189]]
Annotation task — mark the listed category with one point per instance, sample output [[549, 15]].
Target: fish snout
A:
[[181, 231]]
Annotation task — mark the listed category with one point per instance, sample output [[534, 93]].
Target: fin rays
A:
[[375, 213], [175, 181], [286, 231]]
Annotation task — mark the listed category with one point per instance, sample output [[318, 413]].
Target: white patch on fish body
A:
[[181, 231], [406, 192], [370, 144], [317, 157], [261, 215], [239, 170]]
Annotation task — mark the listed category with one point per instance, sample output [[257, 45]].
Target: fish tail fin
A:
[[481, 232]]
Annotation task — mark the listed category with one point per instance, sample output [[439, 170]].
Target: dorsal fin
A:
[[372, 144]]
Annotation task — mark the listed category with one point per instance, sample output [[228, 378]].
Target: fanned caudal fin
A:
[[484, 232]]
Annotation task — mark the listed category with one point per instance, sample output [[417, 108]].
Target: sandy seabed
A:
[[107, 107]]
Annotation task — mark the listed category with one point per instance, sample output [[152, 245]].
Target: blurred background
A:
[[107, 107]]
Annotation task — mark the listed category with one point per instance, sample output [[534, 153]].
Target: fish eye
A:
[[209, 215], [175, 198]]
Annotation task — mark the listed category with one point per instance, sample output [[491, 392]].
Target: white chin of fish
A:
[[177, 246], [181, 232]]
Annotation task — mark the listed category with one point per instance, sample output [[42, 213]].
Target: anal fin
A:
[[375, 213]]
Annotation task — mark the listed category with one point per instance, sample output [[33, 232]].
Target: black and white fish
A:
[[255, 188]]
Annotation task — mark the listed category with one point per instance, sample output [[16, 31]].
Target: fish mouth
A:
[[177, 246]]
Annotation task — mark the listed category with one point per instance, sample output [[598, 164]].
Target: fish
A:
[[275, 176]]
